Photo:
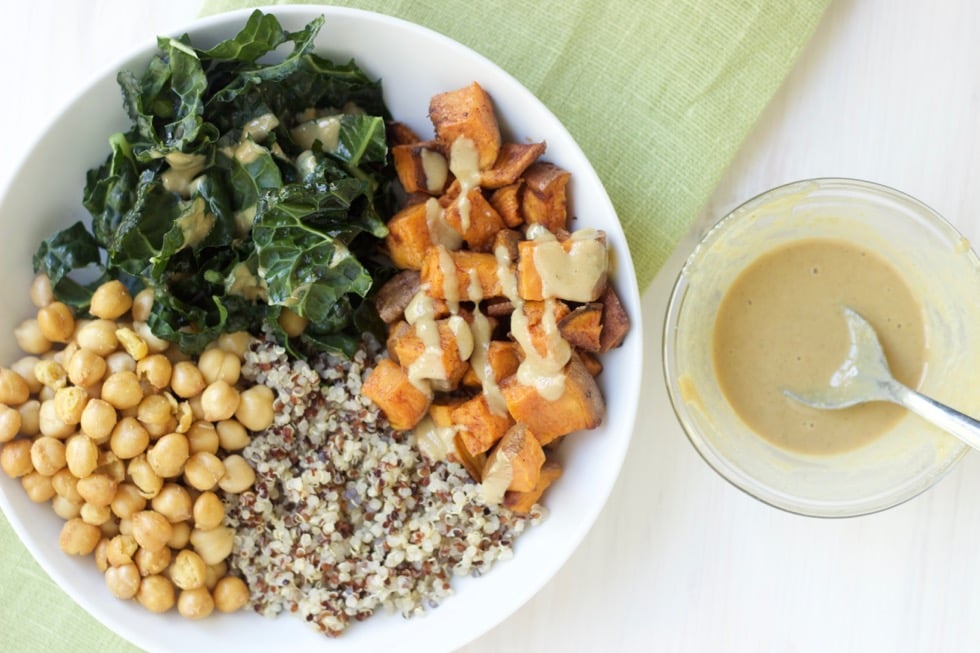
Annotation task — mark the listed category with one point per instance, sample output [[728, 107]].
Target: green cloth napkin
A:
[[658, 93]]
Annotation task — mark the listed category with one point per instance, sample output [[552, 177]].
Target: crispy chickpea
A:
[[121, 550], [10, 423], [256, 409], [24, 366], [230, 594], [69, 402], [48, 455], [98, 488], [156, 369], [81, 455], [122, 390], [169, 454], [142, 304], [129, 438], [38, 487], [111, 465], [15, 458], [144, 477], [219, 365], [98, 420], [155, 410], [123, 580], [186, 380], [125, 527], [66, 508], [153, 562], [195, 405], [181, 536], [215, 573], [30, 417], [232, 435], [78, 537], [236, 343], [120, 361], [195, 603], [156, 593], [239, 475], [203, 470], [95, 515], [14, 390], [219, 401], [50, 374], [50, 424], [56, 321], [66, 485], [110, 300], [292, 323], [208, 511], [188, 570], [128, 500], [41, 292], [98, 336], [131, 341], [213, 545], [29, 337], [173, 502], [203, 436], [101, 561], [151, 529], [154, 345], [86, 368]]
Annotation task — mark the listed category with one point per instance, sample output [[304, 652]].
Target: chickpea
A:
[[208, 511], [98, 488], [239, 475], [230, 594], [41, 292], [232, 435], [69, 402], [123, 581], [78, 537], [186, 380], [154, 345], [195, 604], [156, 593], [219, 365], [256, 409], [219, 401], [38, 487], [65, 484], [188, 570], [292, 323], [129, 438], [121, 549], [95, 515], [155, 410], [197, 412], [25, 368], [156, 369], [86, 368], [81, 455], [50, 424], [66, 508], [10, 423], [56, 321], [122, 390], [151, 530], [173, 502], [30, 417], [144, 477], [29, 337], [169, 454], [101, 561], [110, 300], [213, 545], [181, 536], [111, 465], [15, 458], [120, 361], [14, 390], [98, 336], [153, 562], [215, 573], [202, 436], [142, 304], [47, 455], [98, 420], [236, 343], [125, 527], [128, 501], [203, 470]]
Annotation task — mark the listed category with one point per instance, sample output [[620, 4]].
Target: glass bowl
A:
[[940, 269]]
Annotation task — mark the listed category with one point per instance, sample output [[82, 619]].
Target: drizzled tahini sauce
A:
[[464, 162], [572, 270]]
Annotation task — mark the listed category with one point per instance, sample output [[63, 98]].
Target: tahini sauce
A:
[[780, 326]]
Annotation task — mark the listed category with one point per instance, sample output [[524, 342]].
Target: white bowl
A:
[[414, 63]]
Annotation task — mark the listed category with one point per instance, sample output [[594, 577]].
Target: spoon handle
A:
[[949, 419]]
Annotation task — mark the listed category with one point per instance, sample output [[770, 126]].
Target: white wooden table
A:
[[681, 561]]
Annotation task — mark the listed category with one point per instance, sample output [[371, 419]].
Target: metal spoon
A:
[[864, 376]]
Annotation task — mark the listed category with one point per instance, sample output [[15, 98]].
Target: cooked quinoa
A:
[[346, 516]]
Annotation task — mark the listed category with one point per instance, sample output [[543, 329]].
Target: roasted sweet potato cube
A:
[[474, 464], [615, 320], [512, 161], [580, 405], [507, 202], [408, 236], [543, 318], [522, 451], [389, 387], [479, 426], [421, 167], [501, 360], [475, 219], [468, 113], [582, 328], [447, 273], [574, 269], [543, 200], [400, 134], [508, 239], [444, 370], [395, 294], [523, 502]]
